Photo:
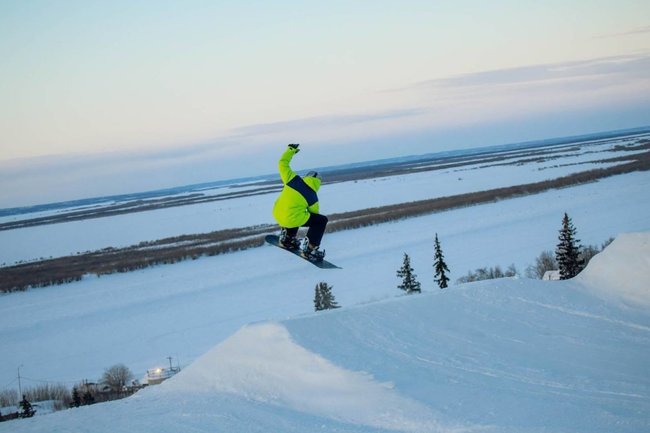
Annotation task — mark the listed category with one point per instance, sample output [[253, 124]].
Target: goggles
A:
[[313, 174]]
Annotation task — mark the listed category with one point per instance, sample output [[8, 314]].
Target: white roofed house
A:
[[551, 275]]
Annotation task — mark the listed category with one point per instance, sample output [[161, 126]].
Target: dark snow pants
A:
[[316, 224]]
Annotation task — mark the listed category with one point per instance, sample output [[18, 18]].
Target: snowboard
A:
[[323, 264]]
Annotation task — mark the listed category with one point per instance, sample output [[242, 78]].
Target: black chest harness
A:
[[305, 190]]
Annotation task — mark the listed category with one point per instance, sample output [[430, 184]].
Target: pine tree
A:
[[440, 266], [318, 298], [324, 298], [410, 284], [88, 398], [76, 398], [567, 252]]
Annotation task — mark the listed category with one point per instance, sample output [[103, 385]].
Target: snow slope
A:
[[510, 355], [262, 363], [73, 332], [629, 277]]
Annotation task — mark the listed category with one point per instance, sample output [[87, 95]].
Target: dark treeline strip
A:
[[171, 250], [133, 206], [365, 217], [111, 260]]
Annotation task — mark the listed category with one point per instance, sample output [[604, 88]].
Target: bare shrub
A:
[[587, 253], [47, 392], [8, 397], [488, 274], [544, 262], [117, 377]]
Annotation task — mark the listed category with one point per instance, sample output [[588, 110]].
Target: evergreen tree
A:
[[88, 398], [26, 409], [76, 398], [567, 252], [410, 284], [324, 298], [440, 266], [318, 298]]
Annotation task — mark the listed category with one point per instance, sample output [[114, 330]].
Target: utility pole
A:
[[20, 388]]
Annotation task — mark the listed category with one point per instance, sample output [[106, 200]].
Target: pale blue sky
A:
[[220, 85]]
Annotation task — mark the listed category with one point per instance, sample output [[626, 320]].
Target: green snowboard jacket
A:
[[298, 199]]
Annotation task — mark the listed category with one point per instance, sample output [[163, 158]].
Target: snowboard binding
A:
[[317, 260], [289, 242], [311, 253]]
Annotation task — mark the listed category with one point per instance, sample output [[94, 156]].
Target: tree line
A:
[[569, 259]]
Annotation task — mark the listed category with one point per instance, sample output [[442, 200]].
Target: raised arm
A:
[[284, 167]]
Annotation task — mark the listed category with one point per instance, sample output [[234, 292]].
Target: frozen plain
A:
[[72, 332], [129, 229]]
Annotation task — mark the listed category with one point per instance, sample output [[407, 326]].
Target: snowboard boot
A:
[[287, 241], [311, 252]]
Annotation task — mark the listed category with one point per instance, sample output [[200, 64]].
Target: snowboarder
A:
[[297, 206]]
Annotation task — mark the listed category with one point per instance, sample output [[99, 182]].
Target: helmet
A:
[[313, 173]]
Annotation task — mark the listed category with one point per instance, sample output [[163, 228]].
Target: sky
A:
[[101, 97]]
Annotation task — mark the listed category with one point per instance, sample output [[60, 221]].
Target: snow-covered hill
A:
[[510, 355], [629, 276]]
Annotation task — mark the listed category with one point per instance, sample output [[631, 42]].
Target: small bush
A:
[[8, 397], [488, 274], [47, 392], [324, 298], [543, 263]]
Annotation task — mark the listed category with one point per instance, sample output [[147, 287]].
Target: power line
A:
[[49, 381], [10, 383]]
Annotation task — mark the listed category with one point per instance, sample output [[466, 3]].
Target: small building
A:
[[551, 276], [158, 375]]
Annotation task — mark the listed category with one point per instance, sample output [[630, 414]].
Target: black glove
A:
[[295, 147]]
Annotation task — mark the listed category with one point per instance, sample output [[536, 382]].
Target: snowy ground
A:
[[507, 355], [510, 355], [182, 310]]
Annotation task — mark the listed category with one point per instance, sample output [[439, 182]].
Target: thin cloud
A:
[[638, 31], [324, 121], [629, 66]]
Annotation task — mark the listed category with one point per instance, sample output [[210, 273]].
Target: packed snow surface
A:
[[262, 363], [510, 355], [629, 277]]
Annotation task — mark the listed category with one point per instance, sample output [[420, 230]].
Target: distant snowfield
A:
[[495, 356], [502, 356], [57, 240]]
